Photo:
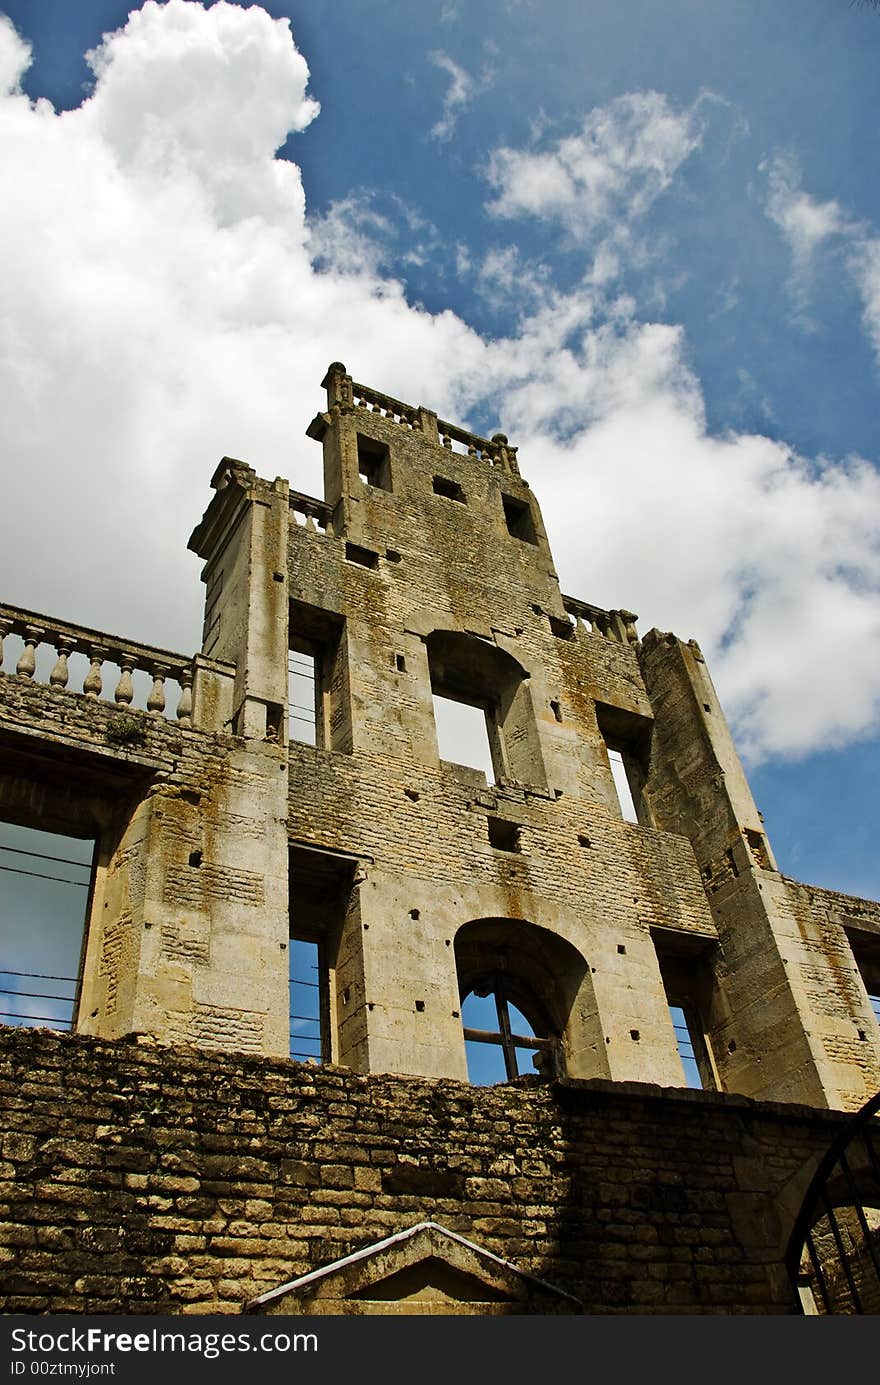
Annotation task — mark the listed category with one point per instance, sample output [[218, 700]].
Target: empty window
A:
[[462, 734], [687, 968], [374, 465], [684, 1038], [364, 557], [491, 725], [450, 489], [563, 628], [306, 1029], [301, 702], [320, 885], [621, 784], [504, 836], [500, 1042], [627, 739], [518, 516], [866, 954], [758, 847], [319, 711], [46, 879]]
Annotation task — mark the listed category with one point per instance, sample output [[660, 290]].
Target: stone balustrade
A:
[[347, 394], [497, 452], [310, 513], [377, 403], [36, 631], [613, 625]]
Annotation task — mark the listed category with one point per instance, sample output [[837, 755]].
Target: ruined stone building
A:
[[596, 914]]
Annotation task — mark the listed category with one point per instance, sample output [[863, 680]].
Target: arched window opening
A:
[[527, 1003], [501, 1042]]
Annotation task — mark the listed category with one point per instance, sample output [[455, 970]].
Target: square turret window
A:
[[518, 516], [374, 464]]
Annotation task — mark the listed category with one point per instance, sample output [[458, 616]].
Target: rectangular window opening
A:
[[866, 955], [503, 835], [450, 489], [758, 847], [320, 891], [627, 737], [364, 557], [306, 1024], [46, 886], [622, 785], [687, 969], [301, 695], [518, 516], [374, 464], [462, 734], [684, 1038], [318, 710], [563, 629]]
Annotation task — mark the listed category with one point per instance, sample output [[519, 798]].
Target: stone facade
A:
[[425, 572], [134, 1181]]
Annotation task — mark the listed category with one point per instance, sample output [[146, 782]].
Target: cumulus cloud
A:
[[624, 156], [15, 57], [167, 301]]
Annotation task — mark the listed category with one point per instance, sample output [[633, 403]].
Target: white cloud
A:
[[864, 265], [805, 222], [625, 155], [15, 58], [162, 308], [459, 95]]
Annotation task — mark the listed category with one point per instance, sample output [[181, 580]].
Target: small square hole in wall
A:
[[400, 661], [556, 709], [518, 516], [562, 629], [583, 840], [758, 847], [504, 836], [374, 466], [450, 489], [363, 556]]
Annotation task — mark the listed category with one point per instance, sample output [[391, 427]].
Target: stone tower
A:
[[426, 573], [423, 580]]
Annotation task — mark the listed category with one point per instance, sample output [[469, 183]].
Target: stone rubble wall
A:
[[140, 1179]]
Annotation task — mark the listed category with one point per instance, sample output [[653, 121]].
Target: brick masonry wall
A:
[[137, 1178]]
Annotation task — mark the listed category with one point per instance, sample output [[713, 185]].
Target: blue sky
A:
[[642, 239]]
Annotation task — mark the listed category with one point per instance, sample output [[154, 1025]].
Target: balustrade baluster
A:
[[27, 662], [60, 673], [156, 699], [184, 707], [124, 693], [93, 683], [5, 627]]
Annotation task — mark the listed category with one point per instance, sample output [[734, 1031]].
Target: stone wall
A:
[[141, 1179]]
